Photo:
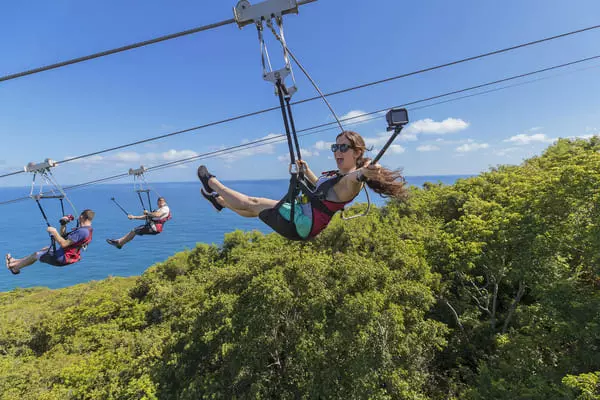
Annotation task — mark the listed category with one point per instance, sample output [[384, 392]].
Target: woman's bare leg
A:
[[248, 214], [240, 202]]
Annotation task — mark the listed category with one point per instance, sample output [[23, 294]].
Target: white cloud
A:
[[507, 151], [90, 160], [429, 126], [535, 129], [471, 147], [524, 139], [376, 141], [396, 149], [169, 155], [322, 145], [131, 157], [356, 117], [309, 153], [428, 147], [306, 153], [393, 149], [267, 147], [127, 156], [407, 137], [441, 141], [173, 155]]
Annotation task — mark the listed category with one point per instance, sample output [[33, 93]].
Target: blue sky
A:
[[216, 74]]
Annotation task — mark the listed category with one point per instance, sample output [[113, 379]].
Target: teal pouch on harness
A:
[[302, 222]]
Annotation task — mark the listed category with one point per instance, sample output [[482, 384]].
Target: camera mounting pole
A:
[[396, 118]]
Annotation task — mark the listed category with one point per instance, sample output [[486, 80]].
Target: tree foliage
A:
[[486, 289]]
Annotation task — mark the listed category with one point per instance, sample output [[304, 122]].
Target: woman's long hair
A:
[[390, 183]]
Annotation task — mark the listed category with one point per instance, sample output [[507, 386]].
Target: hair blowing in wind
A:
[[390, 182]]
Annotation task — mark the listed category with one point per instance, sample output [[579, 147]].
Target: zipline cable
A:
[[250, 114], [125, 48], [282, 138]]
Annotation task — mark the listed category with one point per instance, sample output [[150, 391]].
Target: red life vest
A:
[[72, 251], [158, 224]]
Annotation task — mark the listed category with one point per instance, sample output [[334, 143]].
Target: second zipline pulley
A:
[[140, 187]]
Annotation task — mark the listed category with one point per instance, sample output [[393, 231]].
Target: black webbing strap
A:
[[42, 211], [149, 202], [288, 134], [287, 119], [37, 200], [293, 126], [141, 200], [139, 191]]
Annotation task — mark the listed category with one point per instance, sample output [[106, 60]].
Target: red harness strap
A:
[[73, 251], [158, 224]]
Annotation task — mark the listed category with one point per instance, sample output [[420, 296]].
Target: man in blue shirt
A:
[[68, 247]]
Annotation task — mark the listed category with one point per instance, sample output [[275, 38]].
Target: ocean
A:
[[194, 221]]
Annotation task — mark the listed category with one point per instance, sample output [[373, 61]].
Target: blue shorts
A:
[[302, 222], [50, 257]]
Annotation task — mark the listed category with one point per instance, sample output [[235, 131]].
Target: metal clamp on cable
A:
[[137, 172], [40, 167], [246, 14]]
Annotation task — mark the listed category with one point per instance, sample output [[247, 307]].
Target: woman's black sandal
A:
[[212, 197], [204, 176]]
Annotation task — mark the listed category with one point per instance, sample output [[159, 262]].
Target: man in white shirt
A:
[[153, 226]]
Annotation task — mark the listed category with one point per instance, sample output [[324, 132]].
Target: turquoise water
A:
[[194, 220]]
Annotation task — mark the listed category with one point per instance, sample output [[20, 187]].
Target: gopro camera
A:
[[396, 117]]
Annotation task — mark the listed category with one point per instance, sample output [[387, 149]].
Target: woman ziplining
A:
[[311, 201], [155, 219], [313, 211]]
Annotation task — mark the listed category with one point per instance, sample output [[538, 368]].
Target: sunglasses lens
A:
[[340, 147]]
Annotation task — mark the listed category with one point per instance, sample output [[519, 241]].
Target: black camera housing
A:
[[397, 117]]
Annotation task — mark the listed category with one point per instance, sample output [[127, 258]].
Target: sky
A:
[[212, 75]]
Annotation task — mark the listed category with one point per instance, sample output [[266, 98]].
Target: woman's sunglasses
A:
[[340, 147]]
